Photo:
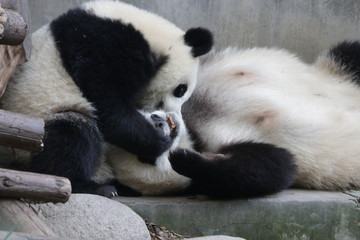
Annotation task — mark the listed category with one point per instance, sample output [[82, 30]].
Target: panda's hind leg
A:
[[239, 170], [73, 148]]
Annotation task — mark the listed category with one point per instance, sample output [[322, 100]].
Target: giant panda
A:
[[267, 95], [106, 76], [88, 72]]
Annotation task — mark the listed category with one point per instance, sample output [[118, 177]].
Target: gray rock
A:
[[87, 216], [216, 237]]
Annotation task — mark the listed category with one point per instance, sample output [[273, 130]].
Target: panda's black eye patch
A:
[[180, 90]]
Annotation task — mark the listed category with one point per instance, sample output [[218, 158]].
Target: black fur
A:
[[347, 56], [126, 191], [161, 124], [200, 40], [73, 148], [111, 63], [244, 170]]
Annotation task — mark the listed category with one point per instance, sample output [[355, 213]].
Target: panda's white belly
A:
[[145, 178], [315, 117], [42, 86]]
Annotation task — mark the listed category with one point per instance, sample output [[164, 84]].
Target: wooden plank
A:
[[26, 236], [14, 30], [12, 56], [21, 131], [21, 7], [47, 188], [25, 219]]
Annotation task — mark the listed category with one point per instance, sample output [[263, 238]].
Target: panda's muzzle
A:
[[168, 124]]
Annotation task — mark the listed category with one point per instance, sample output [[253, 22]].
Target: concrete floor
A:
[[291, 214]]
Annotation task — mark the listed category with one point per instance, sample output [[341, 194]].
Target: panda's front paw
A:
[[108, 191], [186, 162], [166, 124], [158, 144]]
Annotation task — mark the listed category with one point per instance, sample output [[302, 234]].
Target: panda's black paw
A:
[[185, 162], [166, 125], [108, 191]]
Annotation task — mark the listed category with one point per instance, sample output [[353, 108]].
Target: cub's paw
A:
[[166, 127], [108, 191]]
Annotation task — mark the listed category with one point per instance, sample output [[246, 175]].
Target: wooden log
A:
[[26, 236], [12, 56], [22, 8], [46, 188], [25, 219], [14, 30], [21, 131]]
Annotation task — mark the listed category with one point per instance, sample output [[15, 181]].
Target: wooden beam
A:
[[46, 188], [27, 236], [21, 131], [14, 30], [25, 219], [12, 56]]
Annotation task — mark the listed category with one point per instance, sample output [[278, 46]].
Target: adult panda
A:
[[270, 96], [96, 76]]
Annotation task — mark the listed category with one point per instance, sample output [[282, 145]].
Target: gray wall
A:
[[305, 27]]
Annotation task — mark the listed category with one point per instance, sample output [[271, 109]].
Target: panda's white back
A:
[[268, 95], [42, 86]]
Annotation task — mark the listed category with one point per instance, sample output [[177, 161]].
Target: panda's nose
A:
[[156, 117]]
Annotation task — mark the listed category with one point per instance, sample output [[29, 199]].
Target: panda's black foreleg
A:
[[128, 129], [73, 148], [239, 170]]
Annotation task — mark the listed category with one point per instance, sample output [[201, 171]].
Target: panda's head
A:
[[176, 77], [175, 53]]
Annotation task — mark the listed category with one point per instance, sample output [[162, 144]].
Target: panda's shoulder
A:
[[342, 59]]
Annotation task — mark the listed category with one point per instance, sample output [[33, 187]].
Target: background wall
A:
[[304, 27]]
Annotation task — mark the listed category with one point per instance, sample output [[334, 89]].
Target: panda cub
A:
[[90, 72], [270, 96]]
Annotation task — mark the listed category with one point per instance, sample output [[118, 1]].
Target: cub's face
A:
[[173, 83]]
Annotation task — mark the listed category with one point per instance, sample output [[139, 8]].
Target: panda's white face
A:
[[176, 77], [172, 85]]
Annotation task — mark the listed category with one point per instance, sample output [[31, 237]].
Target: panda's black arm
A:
[[125, 127]]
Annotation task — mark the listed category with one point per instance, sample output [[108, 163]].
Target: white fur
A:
[[269, 95], [41, 86]]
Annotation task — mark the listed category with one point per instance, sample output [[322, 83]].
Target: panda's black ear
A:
[[200, 39]]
